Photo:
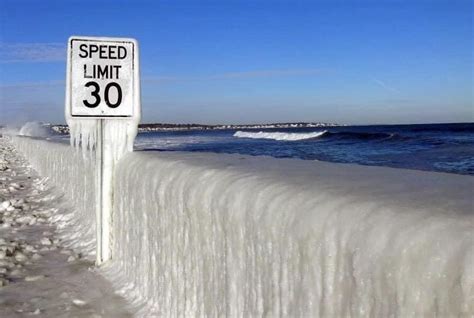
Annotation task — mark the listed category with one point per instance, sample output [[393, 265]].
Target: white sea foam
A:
[[232, 235], [279, 135], [34, 129]]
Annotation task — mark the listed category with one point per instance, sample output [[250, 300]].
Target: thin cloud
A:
[[38, 84], [32, 52], [268, 73], [155, 79], [384, 85], [237, 75]]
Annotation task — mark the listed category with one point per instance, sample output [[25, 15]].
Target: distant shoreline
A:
[[64, 129]]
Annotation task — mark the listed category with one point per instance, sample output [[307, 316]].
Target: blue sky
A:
[[353, 62]]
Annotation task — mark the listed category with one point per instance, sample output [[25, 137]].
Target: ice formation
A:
[[39, 275], [279, 135], [214, 235], [119, 133], [74, 175]]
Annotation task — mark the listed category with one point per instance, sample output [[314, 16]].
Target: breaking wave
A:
[[352, 135], [279, 135], [34, 129]]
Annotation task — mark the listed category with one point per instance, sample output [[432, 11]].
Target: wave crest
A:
[[279, 135], [34, 129]]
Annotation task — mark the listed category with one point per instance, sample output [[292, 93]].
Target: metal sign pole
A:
[[108, 168], [100, 196]]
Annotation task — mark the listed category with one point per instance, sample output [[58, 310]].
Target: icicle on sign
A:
[[102, 77]]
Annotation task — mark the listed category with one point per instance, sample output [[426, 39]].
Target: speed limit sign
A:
[[102, 77], [103, 110]]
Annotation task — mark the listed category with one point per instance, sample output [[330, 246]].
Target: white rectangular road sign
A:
[[102, 79]]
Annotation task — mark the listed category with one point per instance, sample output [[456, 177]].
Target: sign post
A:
[[103, 90]]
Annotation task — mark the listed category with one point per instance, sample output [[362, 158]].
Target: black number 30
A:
[[95, 94]]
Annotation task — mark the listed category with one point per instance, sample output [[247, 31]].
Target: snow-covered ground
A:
[[39, 274]]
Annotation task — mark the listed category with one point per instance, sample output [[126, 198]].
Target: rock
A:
[[2, 254], [29, 248], [16, 272], [34, 278], [20, 257], [36, 257], [24, 219], [3, 282], [78, 302], [6, 263], [4, 205], [71, 259], [46, 241]]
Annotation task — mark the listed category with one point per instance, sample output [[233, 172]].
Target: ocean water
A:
[[433, 147]]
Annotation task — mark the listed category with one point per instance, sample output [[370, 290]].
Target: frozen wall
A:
[[214, 235], [72, 172], [234, 235]]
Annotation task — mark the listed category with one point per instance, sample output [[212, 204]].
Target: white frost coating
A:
[[279, 135], [229, 235], [119, 134], [215, 235], [83, 133], [73, 174]]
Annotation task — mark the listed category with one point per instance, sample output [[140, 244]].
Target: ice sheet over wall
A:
[[215, 235], [72, 172]]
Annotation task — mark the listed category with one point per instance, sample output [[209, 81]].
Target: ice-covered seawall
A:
[[208, 234], [235, 235]]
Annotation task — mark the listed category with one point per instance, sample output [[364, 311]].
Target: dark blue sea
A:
[[434, 147]]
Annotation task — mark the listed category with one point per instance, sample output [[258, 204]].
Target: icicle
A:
[[118, 133], [83, 133]]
